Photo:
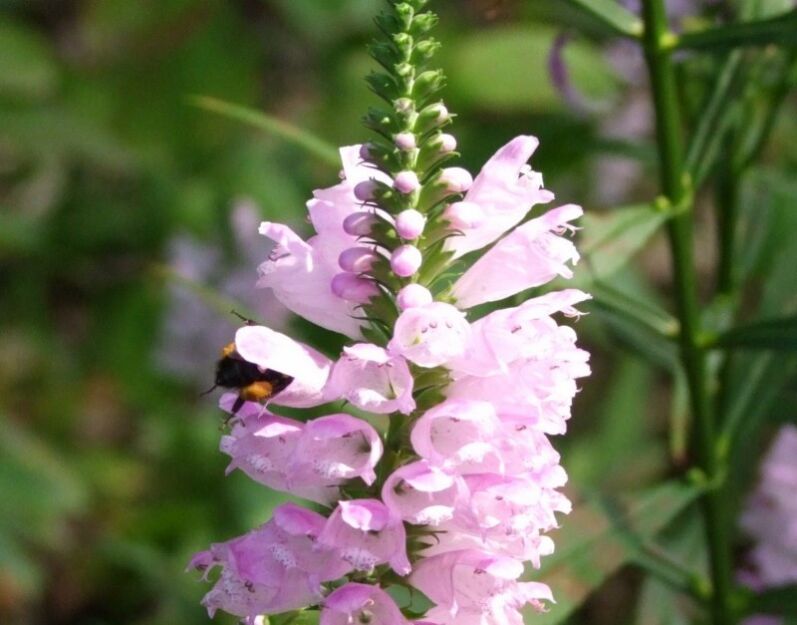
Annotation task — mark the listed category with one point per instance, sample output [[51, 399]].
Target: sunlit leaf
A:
[[599, 537]]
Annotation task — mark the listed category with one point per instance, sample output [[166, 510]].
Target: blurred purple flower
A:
[[770, 519], [192, 332]]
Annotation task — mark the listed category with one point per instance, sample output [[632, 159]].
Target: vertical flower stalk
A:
[[462, 488]]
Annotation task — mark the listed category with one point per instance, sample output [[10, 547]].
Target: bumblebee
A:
[[252, 382]]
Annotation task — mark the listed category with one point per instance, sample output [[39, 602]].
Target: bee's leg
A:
[[210, 390], [237, 405], [246, 320]]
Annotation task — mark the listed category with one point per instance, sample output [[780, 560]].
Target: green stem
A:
[[676, 187]]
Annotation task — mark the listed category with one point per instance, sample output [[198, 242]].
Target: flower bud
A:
[[455, 179], [437, 112], [464, 215], [405, 260], [404, 105], [405, 141], [365, 152], [351, 287], [357, 259], [359, 224], [412, 296], [410, 223], [405, 182], [447, 142], [364, 191]]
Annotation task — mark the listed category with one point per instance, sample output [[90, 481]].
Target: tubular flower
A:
[[462, 486]]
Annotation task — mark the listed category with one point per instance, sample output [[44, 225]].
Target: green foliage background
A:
[[110, 476]]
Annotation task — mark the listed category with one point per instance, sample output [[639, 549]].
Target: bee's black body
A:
[[253, 383]]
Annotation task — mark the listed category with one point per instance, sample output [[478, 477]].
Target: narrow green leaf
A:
[[776, 30], [609, 240], [602, 535], [271, 125], [614, 15], [776, 334]]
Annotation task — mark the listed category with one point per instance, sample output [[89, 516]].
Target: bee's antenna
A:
[[210, 390], [248, 321]]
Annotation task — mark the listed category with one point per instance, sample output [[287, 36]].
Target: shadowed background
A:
[[128, 230]]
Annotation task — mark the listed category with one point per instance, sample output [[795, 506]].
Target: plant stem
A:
[[676, 187]]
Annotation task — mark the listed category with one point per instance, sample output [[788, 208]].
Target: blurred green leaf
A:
[[775, 30], [620, 440], [781, 601], [614, 15], [506, 69], [271, 125], [609, 240], [777, 334], [39, 488], [599, 537], [27, 66]]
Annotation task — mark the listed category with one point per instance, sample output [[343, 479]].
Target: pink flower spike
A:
[[531, 255], [406, 182], [351, 287], [367, 534], [464, 215], [412, 296], [357, 259], [505, 189], [410, 224], [406, 260], [373, 380], [335, 448], [422, 494], [271, 350], [405, 141], [430, 335], [360, 603], [455, 179]]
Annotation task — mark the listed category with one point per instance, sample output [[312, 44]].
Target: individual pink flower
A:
[[540, 392], [300, 272], [355, 604], [459, 436], [335, 448], [505, 190], [276, 568], [508, 514], [472, 587], [272, 350], [531, 255], [527, 331], [366, 534], [262, 445], [370, 378], [422, 494], [430, 335]]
